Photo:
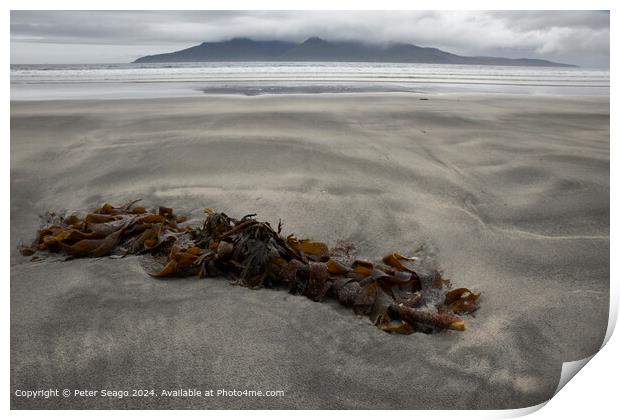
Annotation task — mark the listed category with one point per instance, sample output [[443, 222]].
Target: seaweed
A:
[[397, 294]]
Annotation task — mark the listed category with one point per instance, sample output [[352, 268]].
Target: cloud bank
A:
[[578, 37]]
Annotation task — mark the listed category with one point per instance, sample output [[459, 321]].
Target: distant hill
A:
[[317, 49]]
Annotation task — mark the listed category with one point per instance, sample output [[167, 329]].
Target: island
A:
[[317, 49]]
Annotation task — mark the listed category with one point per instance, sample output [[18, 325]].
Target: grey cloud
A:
[[535, 19], [547, 34]]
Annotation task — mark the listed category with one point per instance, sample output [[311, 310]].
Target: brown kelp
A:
[[396, 294]]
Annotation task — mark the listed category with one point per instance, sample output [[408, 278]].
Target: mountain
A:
[[317, 49], [237, 49]]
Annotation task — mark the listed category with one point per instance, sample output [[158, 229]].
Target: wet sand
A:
[[510, 193]]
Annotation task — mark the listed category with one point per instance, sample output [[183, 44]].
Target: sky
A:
[[64, 37]]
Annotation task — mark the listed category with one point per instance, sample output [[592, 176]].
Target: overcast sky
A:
[[576, 37]]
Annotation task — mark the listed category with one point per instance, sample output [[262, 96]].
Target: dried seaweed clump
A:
[[392, 293]]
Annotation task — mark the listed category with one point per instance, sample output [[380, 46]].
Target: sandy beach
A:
[[509, 193]]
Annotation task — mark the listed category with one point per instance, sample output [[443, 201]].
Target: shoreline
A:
[[456, 96], [183, 89]]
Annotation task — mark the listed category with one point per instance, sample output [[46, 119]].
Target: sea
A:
[[126, 81]]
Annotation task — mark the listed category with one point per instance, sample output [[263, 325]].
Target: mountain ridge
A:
[[318, 49]]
